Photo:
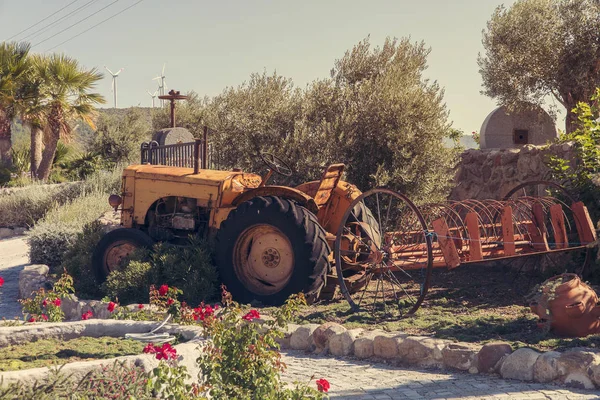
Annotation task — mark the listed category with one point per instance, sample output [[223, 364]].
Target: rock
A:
[[420, 350], [386, 345], [490, 354], [545, 368], [579, 380], [575, 360], [594, 373], [19, 230], [342, 344], [285, 341], [32, 278], [519, 365], [473, 370], [323, 333], [363, 345], [99, 309], [72, 307], [6, 233], [460, 356], [302, 338]]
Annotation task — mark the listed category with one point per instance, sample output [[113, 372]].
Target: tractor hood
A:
[[186, 175]]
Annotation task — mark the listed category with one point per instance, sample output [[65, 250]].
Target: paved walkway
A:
[[357, 380], [13, 257]]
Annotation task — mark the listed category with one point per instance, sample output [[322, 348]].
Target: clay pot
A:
[[570, 307]]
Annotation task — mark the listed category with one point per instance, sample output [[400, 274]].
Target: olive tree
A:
[[541, 49]]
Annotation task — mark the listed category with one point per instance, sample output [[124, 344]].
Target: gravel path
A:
[[13, 257], [358, 380]]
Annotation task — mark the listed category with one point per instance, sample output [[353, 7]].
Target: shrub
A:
[[45, 305], [57, 232], [77, 261], [131, 284], [26, 206], [242, 360], [189, 268]]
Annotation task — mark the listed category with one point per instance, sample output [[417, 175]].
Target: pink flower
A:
[[32, 319], [1, 281], [170, 301], [56, 302], [150, 349], [111, 306], [45, 303], [253, 314], [163, 290], [87, 315], [140, 306], [323, 385], [44, 317]]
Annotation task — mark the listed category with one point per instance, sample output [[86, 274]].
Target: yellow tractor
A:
[[271, 241]]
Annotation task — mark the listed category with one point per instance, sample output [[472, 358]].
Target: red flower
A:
[[163, 290], [166, 352], [44, 317], [45, 303], [111, 306], [87, 315], [56, 302], [253, 314], [323, 385], [1, 281], [170, 301], [140, 306], [150, 348], [32, 319]]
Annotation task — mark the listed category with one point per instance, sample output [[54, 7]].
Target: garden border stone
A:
[[579, 368]]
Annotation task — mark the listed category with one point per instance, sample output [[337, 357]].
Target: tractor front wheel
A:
[[115, 246], [270, 248]]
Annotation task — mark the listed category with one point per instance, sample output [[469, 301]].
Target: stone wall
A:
[[491, 173]]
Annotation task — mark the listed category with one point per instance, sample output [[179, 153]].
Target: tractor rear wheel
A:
[[270, 248], [115, 246]]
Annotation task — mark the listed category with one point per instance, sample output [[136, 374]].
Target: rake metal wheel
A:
[[393, 254]]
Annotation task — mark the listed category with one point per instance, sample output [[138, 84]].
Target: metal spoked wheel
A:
[[389, 256]]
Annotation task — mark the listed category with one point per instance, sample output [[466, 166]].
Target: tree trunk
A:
[[570, 120], [36, 149], [43, 171], [5, 140]]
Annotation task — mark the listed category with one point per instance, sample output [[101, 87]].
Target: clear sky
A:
[[208, 45]]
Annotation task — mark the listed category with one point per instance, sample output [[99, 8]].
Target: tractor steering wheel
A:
[[276, 164]]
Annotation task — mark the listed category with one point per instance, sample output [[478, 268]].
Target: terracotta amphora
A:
[[568, 305]]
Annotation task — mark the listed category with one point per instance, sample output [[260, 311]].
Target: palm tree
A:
[[14, 65], [66, 92]]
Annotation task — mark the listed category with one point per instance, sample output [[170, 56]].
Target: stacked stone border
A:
[[187, 352], [577, 367]]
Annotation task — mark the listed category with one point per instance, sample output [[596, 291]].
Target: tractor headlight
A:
[[115, 201]]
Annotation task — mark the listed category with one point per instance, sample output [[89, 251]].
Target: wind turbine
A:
[[114, 81], [162, 86], [153, 95]]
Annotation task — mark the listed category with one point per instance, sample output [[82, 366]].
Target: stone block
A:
[[302, 338], [386, 345], [421, 350], [579, 380], [490, 355], [342, 344], [460, 356], [285, 341], [32, 278], [363, 345], [519, 365], [324, 332], [545, 368]]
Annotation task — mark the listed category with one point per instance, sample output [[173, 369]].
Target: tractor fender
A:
[[280, 191]]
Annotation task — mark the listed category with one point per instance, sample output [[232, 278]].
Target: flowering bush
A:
[[242, 360], [44, 305]]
